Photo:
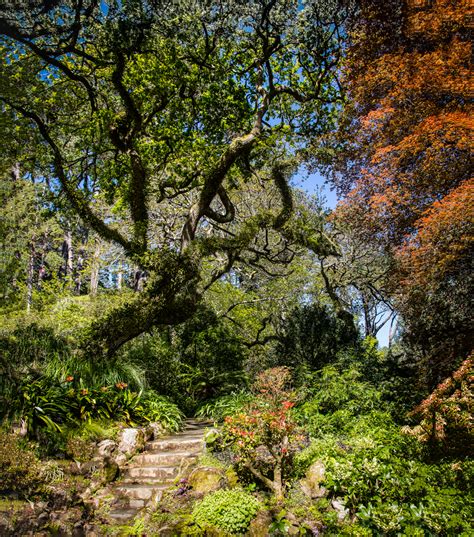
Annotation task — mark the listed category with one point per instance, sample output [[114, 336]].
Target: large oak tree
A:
[[152, 118]]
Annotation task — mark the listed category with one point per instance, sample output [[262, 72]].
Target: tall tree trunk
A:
[[95, 268], [368, 326], [30, 275], [68, 255], [42, 268], [79, 269]]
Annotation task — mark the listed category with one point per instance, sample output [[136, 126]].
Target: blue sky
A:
[[314, 183]]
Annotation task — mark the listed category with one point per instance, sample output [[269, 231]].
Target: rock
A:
[[106, 448], [111, 470], [121, 459], [43, 517], [87, 468], [206, 479], [294, 527], [311, 484], [131, 441], [155, 430], [259, 527], [342, 512]]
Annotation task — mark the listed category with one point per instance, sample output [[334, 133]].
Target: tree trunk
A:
[[170, 297], [278, 483], [79, 269], [367, 320], [95, 268], [139, 279], [68, 255], [30, 275]]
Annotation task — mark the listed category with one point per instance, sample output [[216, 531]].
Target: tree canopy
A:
[[404, 160], [172, 130]]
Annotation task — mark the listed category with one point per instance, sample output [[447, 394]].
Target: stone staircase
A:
[[148, 474]]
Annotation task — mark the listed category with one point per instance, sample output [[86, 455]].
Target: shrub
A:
[[49, 406], [160, 409], [382, 478], [80, 449], [226, 405], [336, 398], [446, 415], [264, 437], [227, 510], [20, 470]]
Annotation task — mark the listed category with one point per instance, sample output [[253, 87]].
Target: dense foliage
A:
[[166, 139], [227, 510], [386, 478]]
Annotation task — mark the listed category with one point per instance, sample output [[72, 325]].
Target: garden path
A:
[[148, 474]]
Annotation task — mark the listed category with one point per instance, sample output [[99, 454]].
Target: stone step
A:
[[141, 492], [171, 458], [137, 504], [123, 515], [124, 503], [164, 473], [146, 481], [194, 435], [151, 472], [172, 443], [190, 432]]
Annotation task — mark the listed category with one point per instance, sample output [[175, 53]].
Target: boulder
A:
[[155, 430], [106, 448], [111, 470], [131, 441], [206, 479], [259, 527], [339, 507], [311, 483]]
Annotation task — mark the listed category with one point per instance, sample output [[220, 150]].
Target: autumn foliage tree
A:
[[446, 415], [405, 161]]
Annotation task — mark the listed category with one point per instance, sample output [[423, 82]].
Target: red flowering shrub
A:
[[265, 436], [446, 415]]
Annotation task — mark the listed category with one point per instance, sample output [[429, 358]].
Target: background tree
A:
[[405, 162]]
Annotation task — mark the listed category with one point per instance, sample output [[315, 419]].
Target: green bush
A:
[[20, 470], [50, 408], [226, 405], [387, 479], [160, 409], [335, 398], [227, 510], [383, 479]]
